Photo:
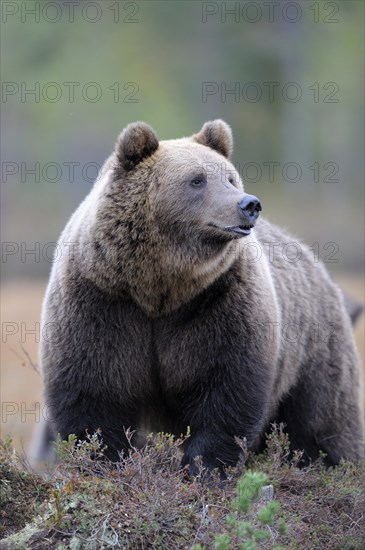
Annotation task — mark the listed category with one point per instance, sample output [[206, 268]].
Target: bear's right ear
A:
[[137, 142]]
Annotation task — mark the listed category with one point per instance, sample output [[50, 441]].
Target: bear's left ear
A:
[[217, 135], [137, 142]]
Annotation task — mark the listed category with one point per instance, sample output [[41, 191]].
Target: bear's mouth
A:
[[240, 229], [237, 231]]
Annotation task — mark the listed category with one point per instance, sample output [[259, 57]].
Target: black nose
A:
[[250, 207]]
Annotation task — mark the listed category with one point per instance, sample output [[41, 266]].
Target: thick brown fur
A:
[[163, 318]]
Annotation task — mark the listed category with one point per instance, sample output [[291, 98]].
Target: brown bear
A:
[[177, 306]]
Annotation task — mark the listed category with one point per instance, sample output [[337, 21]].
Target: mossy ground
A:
[[147, 502]]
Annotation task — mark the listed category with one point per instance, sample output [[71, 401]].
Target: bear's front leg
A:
[[83, 415], [95, 362], [217, 361], [216, 449], [216, 416]]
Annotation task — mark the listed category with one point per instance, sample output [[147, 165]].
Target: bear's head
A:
[[169, 214]]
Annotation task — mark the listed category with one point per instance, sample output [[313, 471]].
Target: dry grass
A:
[[146, 502]]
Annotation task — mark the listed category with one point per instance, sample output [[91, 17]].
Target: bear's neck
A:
[[167, 285], [160, 277]]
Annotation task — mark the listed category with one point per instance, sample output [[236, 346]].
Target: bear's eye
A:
[[231, 179], [198, 182]]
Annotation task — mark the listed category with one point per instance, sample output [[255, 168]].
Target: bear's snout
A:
[[249, 208]]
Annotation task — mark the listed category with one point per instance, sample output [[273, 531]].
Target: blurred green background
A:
[[297, 72], [167, 52]]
